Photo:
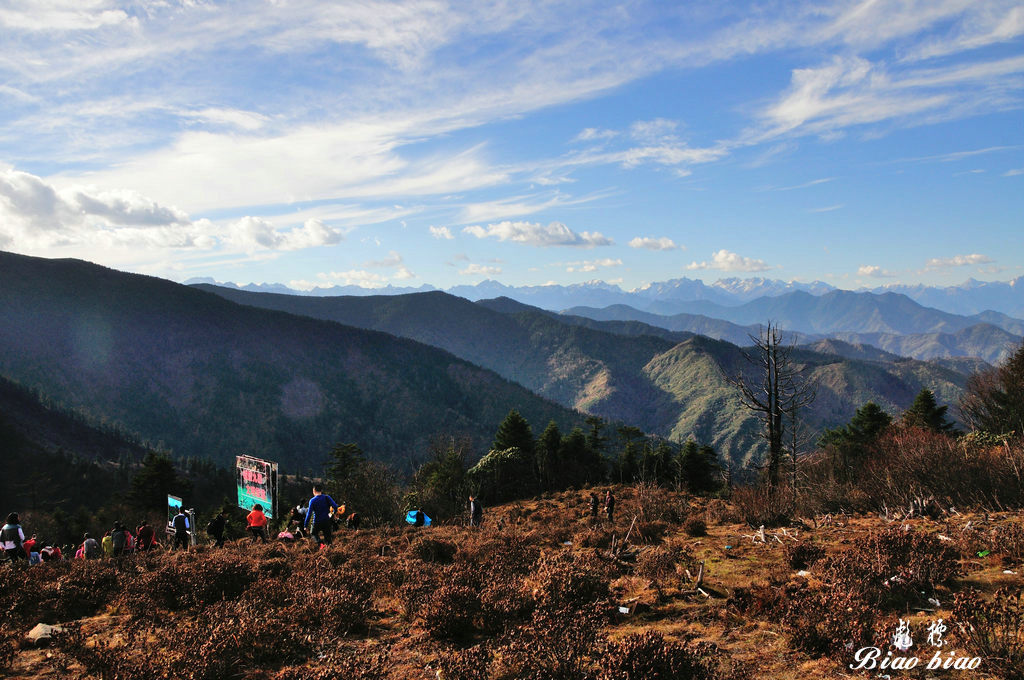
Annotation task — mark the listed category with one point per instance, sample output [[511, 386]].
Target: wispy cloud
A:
[[536, 234], [727, 261], [827, 208], [805, 185], [441, 233]]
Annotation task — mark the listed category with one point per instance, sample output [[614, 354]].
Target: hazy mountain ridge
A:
[[664, 297], [211, 379], [910, 329]]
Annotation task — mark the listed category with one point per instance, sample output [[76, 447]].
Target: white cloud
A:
[[480, 270], [403, 274], [874, 271], [649, 243], [1013, 172], [536, 234], [727, 261], [827, 208], [957, 261], [441, 233], [255, 233]]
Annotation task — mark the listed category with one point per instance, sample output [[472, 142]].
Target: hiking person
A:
[[107, 543], [256, 524], [12, 537], [146, 536], [51, 553], [118, 539], [320, 506], [90, 548], [594, 501], [609, 504], [215, 529], [353, 521], [476, 512], [181, 527], [420, 518]]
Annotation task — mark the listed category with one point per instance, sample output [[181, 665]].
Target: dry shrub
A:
[[762, 505], [642, 656], [84, 589], [662, 565], [553, 646], [718, 511], [1008, 541], [656, 503], [803, 554], [826, 621], [350, 666], [592, 537], [449, 612], [509, 553], [890, 567], [504, 602], [695, 527], [569, 582], [649, 532], [994, 630], [8, 647], [427, 549]]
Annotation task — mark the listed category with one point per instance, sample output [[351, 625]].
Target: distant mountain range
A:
[[669, 297], [205, 377]]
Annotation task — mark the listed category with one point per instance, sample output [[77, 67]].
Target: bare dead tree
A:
[[776, 389]]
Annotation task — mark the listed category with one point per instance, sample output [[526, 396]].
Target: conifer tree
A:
[[514, 431], [925, 413]]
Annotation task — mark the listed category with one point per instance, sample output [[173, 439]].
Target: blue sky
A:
[[373, 143]]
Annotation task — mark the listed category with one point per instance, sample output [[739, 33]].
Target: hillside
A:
[[57, 459], [211, 379], [668, 383]]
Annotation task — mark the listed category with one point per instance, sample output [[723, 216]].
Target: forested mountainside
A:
[[205, 377]]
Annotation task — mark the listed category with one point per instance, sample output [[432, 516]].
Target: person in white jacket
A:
[[12, 538]]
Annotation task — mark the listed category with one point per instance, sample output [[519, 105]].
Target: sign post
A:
[[256, 482]]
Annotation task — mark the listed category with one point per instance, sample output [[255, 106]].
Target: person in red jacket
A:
[[256, 523], [146, 536]]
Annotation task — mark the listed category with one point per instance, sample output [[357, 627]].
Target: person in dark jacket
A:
[[320, 506], [119, 539], [476, 512], [609, 504], [216, 528], [181, 527], [594, 502]]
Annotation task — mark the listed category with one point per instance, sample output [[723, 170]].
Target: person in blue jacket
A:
[[320, 506]]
